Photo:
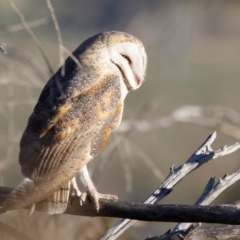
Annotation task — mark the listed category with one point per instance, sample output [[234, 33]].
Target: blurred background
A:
[[193, 52]]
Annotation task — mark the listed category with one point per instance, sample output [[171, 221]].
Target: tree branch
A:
[[202, 155], [213, 233], [226, 214]]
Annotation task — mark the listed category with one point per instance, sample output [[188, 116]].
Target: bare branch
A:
[[227, 214], [202, 155], [213, 233], [211, 192]]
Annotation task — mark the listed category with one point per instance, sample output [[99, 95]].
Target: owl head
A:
[[116, 51], [128, 54]]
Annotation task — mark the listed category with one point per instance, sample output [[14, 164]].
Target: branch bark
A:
[[226, 214], [202, 155], [205, 233]]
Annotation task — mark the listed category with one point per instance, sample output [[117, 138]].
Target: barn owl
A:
[[73, 118]]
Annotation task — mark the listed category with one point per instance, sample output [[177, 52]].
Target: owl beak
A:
[[139, 81]]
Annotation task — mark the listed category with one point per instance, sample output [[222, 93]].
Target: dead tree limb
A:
[[204, 233], [226, 214], [202, 155]]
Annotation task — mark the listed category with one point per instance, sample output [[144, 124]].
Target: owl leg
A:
[[74, 190], [91, 191]]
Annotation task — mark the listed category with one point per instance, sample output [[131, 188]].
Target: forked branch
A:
[[202, 155]]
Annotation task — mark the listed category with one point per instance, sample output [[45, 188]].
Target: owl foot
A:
[[94, 197], [74, 191]]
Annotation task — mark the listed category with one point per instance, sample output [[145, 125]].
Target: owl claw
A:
[[94, 197], [83, 198], [73, 197], [75, 193]]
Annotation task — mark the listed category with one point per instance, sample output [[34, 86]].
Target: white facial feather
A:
[[131, 60]]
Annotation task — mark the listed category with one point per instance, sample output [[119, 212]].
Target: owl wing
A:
[[56, 97], [58, 139], [49, 136], [59, 136], [55, 101]]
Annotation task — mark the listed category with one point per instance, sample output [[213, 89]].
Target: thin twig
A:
[[211, 192], [71, 55], [32, 35], [59, 37], [2, 48], [31, 24], [23, 55], [214, 117]]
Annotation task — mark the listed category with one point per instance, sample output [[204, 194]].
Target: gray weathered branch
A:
[[227, 214], [202, 155], [204, 233]]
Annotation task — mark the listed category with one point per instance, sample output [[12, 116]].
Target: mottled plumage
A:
[[73, 118]]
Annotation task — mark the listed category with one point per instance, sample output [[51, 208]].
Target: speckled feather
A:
[[71, 122]]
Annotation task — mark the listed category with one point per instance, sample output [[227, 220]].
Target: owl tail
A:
[[57, 202], [24, 194], [20, 195]]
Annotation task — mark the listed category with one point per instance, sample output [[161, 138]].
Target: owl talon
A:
[[73, 197], [83, 198], [94, 197], [75, 192]]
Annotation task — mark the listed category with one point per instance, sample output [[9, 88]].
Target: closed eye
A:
[[127, 58]]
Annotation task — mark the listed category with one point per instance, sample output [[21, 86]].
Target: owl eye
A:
[[127, 58]]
